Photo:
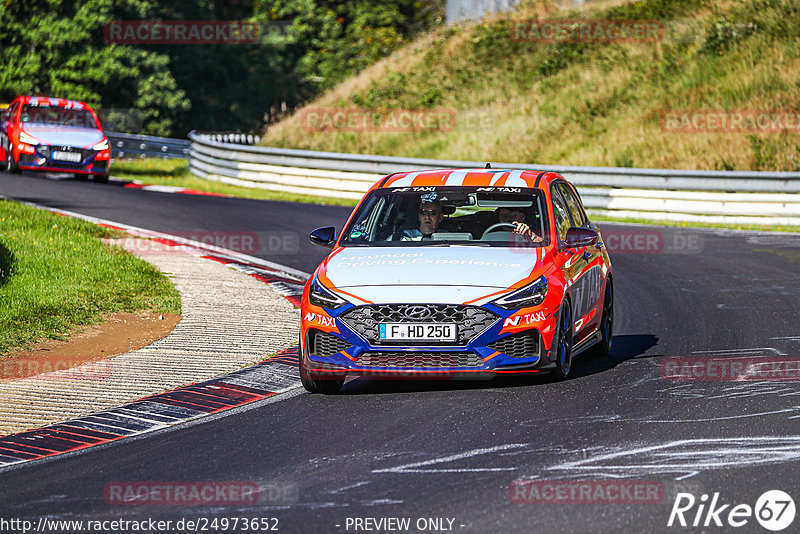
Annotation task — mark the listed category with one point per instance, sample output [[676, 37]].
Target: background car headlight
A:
[[28, 139], [320, 295], [102, 145], [531, 295]]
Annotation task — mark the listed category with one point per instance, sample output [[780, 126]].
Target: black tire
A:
[[607, 322], [101, 178], [329, 385], [81, 177], [11, 165], [562, 342]]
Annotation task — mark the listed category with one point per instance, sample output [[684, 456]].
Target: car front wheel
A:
[[607, 321], [562, 343], [11, 165], [328, 385]]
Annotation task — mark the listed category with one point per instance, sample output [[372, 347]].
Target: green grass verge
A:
[[175, 172], [55, 272]]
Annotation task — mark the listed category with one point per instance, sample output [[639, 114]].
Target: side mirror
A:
[[581, 237], [324, 236]]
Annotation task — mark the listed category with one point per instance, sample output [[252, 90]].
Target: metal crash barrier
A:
[[735, 197]]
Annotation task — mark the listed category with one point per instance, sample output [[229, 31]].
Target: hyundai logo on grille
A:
[[418, 312]]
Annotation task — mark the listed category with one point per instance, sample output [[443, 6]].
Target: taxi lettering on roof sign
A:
[[458, 273]]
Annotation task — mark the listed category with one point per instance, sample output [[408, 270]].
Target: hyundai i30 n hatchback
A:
[[457, 273]]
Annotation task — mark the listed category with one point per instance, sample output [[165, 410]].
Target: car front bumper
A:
[[337, 345], [41, 161]]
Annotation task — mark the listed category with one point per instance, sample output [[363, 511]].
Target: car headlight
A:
[[323, 297], [531, 295], [28, 139], [102, 145]]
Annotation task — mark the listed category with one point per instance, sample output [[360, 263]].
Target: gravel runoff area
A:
[[229, 320]]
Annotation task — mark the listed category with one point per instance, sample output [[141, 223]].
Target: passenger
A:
[[516, 216], [430, 216]]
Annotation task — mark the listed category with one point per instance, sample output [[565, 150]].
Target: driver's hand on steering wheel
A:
[[525, 231]]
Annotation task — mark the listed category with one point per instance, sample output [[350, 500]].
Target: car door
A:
[[590, 277], [567, 259]]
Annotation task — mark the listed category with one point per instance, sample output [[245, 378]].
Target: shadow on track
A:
[[70, 177], [625, 347]]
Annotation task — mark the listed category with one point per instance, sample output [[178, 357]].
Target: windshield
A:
[[429, 216], [57, 116]]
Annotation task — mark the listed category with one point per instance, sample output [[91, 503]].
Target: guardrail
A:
[[125, 145], [737, 197]]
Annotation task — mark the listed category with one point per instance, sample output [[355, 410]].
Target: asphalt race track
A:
[[451, 450]]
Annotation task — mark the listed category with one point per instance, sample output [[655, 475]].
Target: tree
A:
[[335, 39], [54, 48]]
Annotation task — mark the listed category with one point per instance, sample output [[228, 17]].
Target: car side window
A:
[[560, 214], [573, 204], [10, 112]]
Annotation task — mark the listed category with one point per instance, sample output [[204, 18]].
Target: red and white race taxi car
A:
[[447, 273]]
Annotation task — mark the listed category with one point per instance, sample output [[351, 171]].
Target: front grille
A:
[[419, 359], [324, 344], [66, 165], [469, 320], [522, 345]]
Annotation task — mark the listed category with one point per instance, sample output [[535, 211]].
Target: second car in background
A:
[[54, 135]]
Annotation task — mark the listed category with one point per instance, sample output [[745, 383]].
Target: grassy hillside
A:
[[585, 103]]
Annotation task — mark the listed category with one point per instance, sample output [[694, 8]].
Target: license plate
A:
[[74, 157], [416, 332]]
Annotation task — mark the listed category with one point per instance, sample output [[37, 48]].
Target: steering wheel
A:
[[498, 226]]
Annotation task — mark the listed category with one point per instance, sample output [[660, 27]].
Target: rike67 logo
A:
[[774, 510]]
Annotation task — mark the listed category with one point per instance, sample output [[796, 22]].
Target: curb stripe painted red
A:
[[173, 189], [150, 413], [166, 409]]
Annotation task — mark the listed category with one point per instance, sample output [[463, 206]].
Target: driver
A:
[[516, 216], [430, 216]]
